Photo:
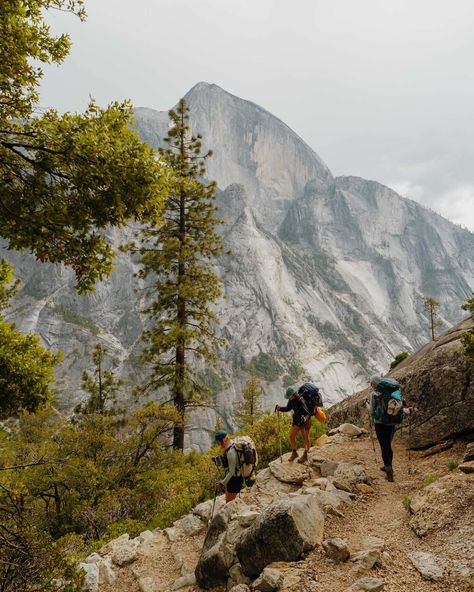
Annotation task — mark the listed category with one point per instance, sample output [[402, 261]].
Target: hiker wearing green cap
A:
[[301, 421], [231, 484]]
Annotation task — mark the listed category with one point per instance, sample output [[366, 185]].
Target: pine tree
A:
[[176, 253], [431, 307], [249, 410], [101, 385]]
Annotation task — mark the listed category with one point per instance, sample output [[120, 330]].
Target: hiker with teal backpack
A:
[[387, 410]]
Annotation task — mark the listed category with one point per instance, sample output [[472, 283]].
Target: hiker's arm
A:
[[284, 409], [232, 459]]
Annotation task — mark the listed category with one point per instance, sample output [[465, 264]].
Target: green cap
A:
[[220, 435], [291, 390]]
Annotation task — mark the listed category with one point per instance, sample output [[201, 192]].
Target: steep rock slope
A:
[[323, 280]]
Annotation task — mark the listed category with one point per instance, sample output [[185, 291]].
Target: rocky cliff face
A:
[[324, 278]]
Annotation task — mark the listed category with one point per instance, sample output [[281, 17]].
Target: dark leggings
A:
[[385, 435]]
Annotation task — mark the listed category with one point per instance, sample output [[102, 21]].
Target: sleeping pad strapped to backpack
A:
[[388, 402]]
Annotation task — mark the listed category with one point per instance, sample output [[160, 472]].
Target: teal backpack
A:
[[388, 402]]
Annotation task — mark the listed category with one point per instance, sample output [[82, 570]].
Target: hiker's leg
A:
[[294, 430], [384, 437], [306, 432], [389, 446]]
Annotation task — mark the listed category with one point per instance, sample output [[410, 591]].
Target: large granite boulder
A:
[[283, 532], [438, 380]]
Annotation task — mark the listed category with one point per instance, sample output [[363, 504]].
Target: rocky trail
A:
[[365, 533]]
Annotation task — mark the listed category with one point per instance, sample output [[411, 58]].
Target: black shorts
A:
[[235, 484]]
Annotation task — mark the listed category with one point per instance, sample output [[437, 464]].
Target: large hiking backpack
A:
[[247, 454], [388, 402], [311, 396]]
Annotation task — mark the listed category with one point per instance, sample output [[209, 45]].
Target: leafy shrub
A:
[[429, 479], [453, 464], [407, 503], [399, 358]]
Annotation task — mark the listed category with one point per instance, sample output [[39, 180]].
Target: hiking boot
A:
[[304, 458], [294, 455], [389, 473]]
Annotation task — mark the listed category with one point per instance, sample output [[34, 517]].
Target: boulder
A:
[[91, 579], [325, 467], [125, 553], [268, 483], [349, 429], [218, 551], [366, 584], [107, 574], [246, 518], [469, 453], [372, 542], [366, 559], [282, 532], [189, 525], [322, 440], [289, 472], [467, 467], [350, 473], [183, 582], [237, 576], [427, 564], [336, 549], [269, 580]]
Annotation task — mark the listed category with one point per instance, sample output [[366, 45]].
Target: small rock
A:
[[268, 581], [93, 558], [364, 488], [91, 579], [349, 429], [427, 564], [469, 454], [125, 553], [147, 584], [386, 557], [372, 542], [188, 525], [246, 518], [366, 559], [342, 485], [171, 534], [184, 581], [322, 440], [366, 585], [336, 549], [467, 467], [237, 576], [350, 473], [328, 468], [240, 588], [146, 536], [107, 573], [287, 472]]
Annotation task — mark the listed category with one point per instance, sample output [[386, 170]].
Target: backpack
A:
[[311, 396], [388, 402], [247, 455]]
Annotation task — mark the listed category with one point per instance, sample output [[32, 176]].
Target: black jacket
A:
[[299, 408]]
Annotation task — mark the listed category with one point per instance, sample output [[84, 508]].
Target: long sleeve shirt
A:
[[299, 408], [233, 460]]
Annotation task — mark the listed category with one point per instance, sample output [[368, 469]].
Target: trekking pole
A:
[[279, 434], [213, 506], [372, 438]]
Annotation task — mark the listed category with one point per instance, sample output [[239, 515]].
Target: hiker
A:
[[386, 394], [301, 421], [240, 458]]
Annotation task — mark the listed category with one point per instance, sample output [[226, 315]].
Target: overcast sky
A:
[[383, 89]]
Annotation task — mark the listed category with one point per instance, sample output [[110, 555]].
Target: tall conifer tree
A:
[[177, 254]]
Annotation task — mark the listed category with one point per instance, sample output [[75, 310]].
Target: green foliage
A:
[[177, 256], [453, 464], [431, 308], [467, 342], [26, 367], [73, 317], [265, 366], [65, 178], [429, 479], [469, 305], [407, 503], [295, 372], [249, 410], [101, 385], [399, 358]]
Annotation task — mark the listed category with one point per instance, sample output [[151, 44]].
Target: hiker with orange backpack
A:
[[301, 421]]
